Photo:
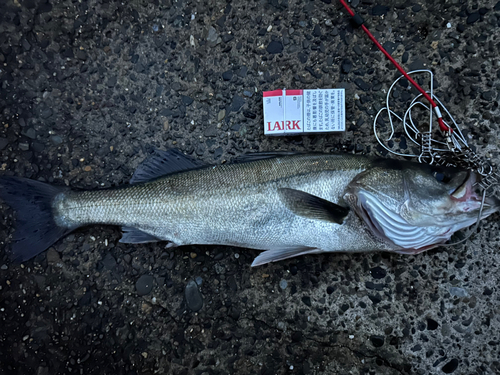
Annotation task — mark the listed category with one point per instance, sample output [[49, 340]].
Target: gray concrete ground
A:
[[89, 88]]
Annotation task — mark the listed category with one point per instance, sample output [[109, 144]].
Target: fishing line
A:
[[453, 150], [432, 151]]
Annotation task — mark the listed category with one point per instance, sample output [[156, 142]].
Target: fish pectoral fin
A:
[[163, 163], [134, 235], [277, 254], [312, 207]]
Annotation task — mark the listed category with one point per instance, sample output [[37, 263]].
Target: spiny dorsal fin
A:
[[163, 163], [312, 207]]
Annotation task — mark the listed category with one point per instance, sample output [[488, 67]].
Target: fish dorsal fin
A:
[[312, 207], [254, 156], [162, 163]]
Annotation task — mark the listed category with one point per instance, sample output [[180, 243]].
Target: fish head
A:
[[417, 206]]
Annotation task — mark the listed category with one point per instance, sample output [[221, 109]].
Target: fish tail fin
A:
[[36, 228]]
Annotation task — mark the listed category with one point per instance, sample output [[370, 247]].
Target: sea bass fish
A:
[[285, 204]]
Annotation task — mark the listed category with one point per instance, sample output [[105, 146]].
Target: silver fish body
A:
[[236, 204], [288, 205]]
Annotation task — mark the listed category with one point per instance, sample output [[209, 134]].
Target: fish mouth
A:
[[469, 195], [467, 189]]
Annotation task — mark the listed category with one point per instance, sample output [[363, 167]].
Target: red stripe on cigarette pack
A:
[[267, 94], [273, 93]]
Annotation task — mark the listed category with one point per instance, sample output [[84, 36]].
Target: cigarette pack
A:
[[293, 112]]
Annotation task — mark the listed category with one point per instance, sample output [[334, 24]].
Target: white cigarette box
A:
[[304, 111]]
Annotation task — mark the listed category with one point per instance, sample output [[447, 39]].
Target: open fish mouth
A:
[[467, 190], [469, 196]]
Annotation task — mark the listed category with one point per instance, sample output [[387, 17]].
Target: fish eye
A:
[[441, 176]]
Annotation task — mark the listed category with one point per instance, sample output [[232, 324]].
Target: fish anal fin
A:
[[281, 253], [163, 163], [134, 235], [311, 206]]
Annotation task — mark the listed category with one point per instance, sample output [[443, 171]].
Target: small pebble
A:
[[109, 262], [473, 17], [3, 143], [53, 256], [193, 296], [24, 146], [274, 47], [459, 292], [212, 36], [283, 284], [144, 285], [378, 272], [227, 75], [450, 366]]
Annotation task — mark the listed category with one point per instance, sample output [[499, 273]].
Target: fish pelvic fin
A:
[[281, 253], [36, 228]]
